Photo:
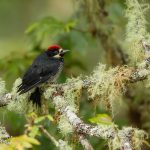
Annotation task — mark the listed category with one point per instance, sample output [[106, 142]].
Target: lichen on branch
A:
[[136, 31]]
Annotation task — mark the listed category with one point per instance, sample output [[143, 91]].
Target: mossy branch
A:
[[60, 98], [63, 97]]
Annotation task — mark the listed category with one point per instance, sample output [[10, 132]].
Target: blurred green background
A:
[[94, 31]]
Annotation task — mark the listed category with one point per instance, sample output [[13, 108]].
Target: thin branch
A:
[[50, 137], [85, 143], [60, 144]]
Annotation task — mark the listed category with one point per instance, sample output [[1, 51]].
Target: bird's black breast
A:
[[42, 69]]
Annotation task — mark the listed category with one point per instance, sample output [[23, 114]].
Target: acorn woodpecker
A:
[[46, 68]]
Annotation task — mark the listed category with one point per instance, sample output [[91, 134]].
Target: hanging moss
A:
[[20, 103], [136, 31], [108, 85], [130, 138]]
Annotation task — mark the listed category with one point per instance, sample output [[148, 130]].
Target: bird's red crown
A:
[[53, 47]]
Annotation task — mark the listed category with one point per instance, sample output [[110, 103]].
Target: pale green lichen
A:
[[128, 137], [72, 92], [138, 139], [63, 145], [2, 87], [20, 103], [48, 93], [104, 88], [64, 126], [114, 144], [3, 135], [59, 102], [136, 30]]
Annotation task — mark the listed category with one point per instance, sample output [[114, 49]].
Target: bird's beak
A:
[[64, 52]]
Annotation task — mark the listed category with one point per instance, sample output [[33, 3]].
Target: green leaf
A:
[[42, 30], [50, 118], [70, 25], [101, 119], [34, 131], [42, 118], [31, 28], [5, 147], [20, 143]]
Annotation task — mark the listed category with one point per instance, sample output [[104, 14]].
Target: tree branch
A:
[[79, 126], [86, 145], [50, 137], [59, 144], [108, 132]]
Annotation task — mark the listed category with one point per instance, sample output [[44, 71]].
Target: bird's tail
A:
[[35, 97]]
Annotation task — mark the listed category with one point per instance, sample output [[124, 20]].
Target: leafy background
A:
[[94, 31]]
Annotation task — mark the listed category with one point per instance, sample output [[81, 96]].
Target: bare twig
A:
[[50, 137], [60, 144], [85, 143]]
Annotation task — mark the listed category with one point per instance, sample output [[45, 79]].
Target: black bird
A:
[[46, 68]]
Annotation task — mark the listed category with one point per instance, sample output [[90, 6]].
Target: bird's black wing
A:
[[42, 69]]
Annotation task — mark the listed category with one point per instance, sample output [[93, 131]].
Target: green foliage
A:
[[48, 27], [42, 118], [20, 143], [36, 128], [40, 35], [14, 64], [101, 119], [35, 122]]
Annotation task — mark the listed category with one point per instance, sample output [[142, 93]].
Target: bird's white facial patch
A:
[[58, 55], [60, 50]]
